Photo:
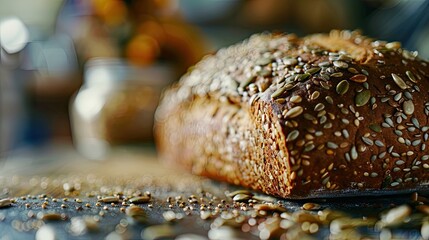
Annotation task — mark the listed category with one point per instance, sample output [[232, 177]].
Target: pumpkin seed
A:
[[398, 80], [310, 206], [263, 61], [136, 213], [319, 107], [157, 232], [329, 99], [375, 127], [280, 91], [340, 64], [342, 87], [312, 71], [408, 107], [294, 112], [292, 136], [241, 197], [359, 78], [242, 191], [269, 208], [315, 95], [247, 81], [362, 98], [337, 74], [393, 45], [290, 61], [409, 55], [205, 215], [302, 77], [352, 70], [170, 216]]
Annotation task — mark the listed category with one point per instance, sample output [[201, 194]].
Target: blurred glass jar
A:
[[116, 105]]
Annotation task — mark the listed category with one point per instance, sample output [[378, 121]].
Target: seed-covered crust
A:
[[326, 115]]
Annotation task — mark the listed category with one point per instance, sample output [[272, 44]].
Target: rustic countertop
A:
[[56, 194]]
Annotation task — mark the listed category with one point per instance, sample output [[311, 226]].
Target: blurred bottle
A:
[[13, 39], [116, 105]]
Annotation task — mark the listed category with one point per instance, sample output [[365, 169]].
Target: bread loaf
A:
[[327, 115]]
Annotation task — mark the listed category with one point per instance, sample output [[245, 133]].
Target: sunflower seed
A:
[[110, 199], [395, 215], [408, 55], [342, 87], [362, 98], [269, 207], [295, 99], [331, 145], [415, 121], [141, 199], [411, 76], [162, 231], [51, 216], [379, 143], [6, 202], [408, 107], [398, 80], [367, 141], [294, 112], [354, 153]]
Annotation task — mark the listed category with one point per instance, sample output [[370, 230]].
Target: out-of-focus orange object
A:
[[142, 49], [111, 12]]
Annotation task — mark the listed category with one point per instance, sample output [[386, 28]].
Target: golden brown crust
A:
[[326, 115]]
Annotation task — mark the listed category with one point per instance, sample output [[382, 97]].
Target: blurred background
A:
[[89, 73]]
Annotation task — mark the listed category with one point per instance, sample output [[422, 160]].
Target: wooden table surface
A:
[[57, 194]]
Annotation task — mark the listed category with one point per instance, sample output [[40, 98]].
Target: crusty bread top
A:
[[341, 98]]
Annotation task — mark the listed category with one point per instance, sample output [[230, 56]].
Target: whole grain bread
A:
[[326, 115]]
